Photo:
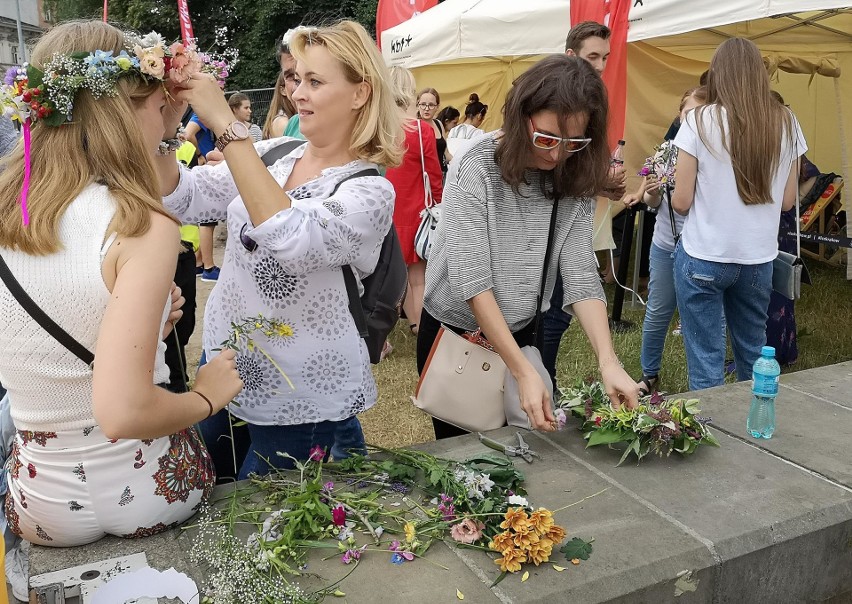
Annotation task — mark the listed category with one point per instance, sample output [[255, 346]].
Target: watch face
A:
[[240, 130]]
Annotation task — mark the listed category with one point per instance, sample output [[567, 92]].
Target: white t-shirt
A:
[[719, 226]]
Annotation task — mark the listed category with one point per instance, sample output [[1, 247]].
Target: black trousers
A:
[[427, 331]]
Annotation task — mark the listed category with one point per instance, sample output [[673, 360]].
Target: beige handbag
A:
[[462, 384]]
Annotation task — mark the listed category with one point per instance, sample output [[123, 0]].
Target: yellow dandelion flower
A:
[[541, 520], [258, 325], [410, 532], [511, 560], [514, 519], [284, 330]]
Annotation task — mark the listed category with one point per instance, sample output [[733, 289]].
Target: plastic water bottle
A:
[[618, 155], [764, 390]]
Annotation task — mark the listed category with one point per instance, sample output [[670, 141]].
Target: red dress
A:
[[407, 181]]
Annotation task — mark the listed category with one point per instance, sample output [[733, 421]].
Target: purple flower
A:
[[395, 545], [317, 453], [10, 76], [328, 487], [399, 487], [352, 555], [338, 515]]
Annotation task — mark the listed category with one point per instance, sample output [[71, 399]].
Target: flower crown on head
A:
[[31, 94]]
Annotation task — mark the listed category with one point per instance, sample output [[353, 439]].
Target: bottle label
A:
[[765, 385]]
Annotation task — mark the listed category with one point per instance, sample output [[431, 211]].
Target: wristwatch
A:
[[236, 131]]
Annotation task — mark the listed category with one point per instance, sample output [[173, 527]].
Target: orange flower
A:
[[511, 560], [541, 520], [556, 533], [515, 518], [539, 553], [524, 537], [502, 542]]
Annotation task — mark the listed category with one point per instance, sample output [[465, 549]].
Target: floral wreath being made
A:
[[30, 95]]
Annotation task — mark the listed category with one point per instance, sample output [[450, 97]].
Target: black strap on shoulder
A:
[[355, 307], [40, 317], [548, 252], [276, 153], [668, 194]]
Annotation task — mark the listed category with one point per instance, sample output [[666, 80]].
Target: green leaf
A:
[[500, 578], [606, 437], [709, 439], [577, 548], [633, 448], [435, 476]]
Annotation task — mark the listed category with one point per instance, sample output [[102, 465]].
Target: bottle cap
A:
[[768, 351]]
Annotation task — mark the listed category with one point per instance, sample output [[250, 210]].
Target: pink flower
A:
[[151, 61], [185, 62], [316, 454], [467, 531], [338, 515]]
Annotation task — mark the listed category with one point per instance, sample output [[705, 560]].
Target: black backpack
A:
[[376, 312]]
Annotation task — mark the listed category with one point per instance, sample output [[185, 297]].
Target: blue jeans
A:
[[554, 324], [348, 439], [659, 311], [258, 446], [252, 442], [707, 292]]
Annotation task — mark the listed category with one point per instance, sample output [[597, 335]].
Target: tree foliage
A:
[[253, 26]]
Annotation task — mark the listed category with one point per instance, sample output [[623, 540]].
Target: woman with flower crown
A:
[[293, 228], [100, 449]]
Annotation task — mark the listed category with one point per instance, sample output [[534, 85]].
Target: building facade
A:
[[33, 22]]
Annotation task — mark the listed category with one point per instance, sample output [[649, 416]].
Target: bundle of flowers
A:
[[662, 163], [657, 424], [395, 503]]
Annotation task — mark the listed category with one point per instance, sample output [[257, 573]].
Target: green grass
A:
[[823, 317]]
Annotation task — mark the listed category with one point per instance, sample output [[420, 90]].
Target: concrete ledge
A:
[[767, 521]]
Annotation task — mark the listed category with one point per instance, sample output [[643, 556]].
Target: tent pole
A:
[[844, 159]]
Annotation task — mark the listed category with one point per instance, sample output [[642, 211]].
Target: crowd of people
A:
[[350, 150]]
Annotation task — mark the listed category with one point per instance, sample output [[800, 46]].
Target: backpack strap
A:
[[40, 317], [276, 153], [355, 307]]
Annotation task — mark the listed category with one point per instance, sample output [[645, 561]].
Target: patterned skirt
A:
[[73, 487]]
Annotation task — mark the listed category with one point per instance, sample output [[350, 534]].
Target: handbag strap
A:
[[429, 201], [798, 201], [547, 254], [668, 193], [40, 317]]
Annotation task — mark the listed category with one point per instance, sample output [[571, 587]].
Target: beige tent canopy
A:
[[464, 46]]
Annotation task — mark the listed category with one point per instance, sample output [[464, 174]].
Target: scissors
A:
[[522, 449]]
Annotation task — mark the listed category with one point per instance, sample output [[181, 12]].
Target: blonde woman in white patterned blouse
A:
[[291, 230]]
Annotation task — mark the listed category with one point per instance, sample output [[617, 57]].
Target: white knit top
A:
[[50, 389]]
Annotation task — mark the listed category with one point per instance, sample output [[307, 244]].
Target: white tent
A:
[[463, 46]]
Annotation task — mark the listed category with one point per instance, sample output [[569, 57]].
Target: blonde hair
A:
[[101, 146], [755, 125], [280, 102], [403, 85], [377, 135]]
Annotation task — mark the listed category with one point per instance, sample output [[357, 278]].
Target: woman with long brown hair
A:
[[737, 169], [280, 110], [485, 267], [99, 450]]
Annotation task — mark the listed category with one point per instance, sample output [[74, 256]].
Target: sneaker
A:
[[198, 270], [210, 274], [677, 330]]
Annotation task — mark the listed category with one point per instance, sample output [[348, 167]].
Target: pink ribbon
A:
[[26, 188]]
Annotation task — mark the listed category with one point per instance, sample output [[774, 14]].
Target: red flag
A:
[[393, 12], [612, 13], [185, 23]]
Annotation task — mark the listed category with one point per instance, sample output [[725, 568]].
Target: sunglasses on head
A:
[[550, 142], [248, 243]]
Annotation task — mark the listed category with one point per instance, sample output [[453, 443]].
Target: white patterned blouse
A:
[[293, 275]]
